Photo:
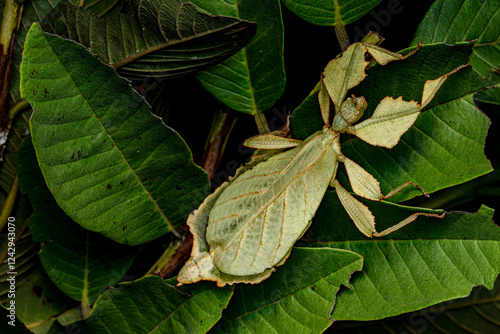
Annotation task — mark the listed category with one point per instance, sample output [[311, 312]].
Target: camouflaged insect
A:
[[249, 225]]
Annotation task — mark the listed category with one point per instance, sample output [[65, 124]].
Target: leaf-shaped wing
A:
[[166, 40], [261, 214]]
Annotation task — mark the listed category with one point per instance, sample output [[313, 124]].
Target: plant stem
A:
[[261, 121], [342, 36], [222, 126], [179, 258], [16, 108], [9, 203], [174, 256], [164, 259]]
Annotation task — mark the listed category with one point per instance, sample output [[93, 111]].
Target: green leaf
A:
[[33, 11], [428, 261], [451, 128], [38, 302], [330, 12], [81, 263], [453, 21], [112, 166], [163, 41], [253, 79], [298, 298], [11, 324], [477, 313], [151, 305]]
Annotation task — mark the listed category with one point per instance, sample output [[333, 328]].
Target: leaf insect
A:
[[249, 226]]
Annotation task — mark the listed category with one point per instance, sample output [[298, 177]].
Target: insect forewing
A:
[[261, 214]]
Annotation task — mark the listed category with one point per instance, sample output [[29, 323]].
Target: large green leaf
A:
[[330, 12], [477, 313], [112, 166], [81, 263], [164, 40], [451, 128], [298, 298], [254, 78], [427, 262], [454, 21], [151, 305]]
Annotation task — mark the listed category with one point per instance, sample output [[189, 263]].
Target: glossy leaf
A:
[[112, 166], [80, 263], [330, 13], [426, 262], [178, 39], [298, 298], [151, 305], [451, 128], [477, 313], [466, 20], [253, 79]]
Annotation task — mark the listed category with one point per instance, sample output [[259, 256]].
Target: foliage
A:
[[106, 186]]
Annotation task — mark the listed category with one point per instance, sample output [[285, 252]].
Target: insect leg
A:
[[269, 141], [359, 213], [406, 222], [401, 187]]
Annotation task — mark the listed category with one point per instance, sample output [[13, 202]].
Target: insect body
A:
[[249, 227]]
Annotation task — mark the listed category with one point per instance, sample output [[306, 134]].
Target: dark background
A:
[[308, 48]]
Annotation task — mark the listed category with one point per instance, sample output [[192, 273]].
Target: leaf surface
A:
[[466, 20], [163, 41], [298, 298], [253, 79], [112, 166], [78, 261], [477, 313], [426, 262], [451, 128], [151, 305], [330, 12]]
